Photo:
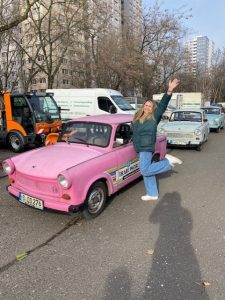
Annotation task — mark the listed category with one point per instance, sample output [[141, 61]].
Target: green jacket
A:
[[144, 135]]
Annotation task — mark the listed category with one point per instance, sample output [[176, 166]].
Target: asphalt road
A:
[[46, 255]]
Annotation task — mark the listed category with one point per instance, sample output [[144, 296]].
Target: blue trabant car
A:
[[215, 116], [186, 128]]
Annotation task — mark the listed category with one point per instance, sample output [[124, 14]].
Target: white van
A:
[[90, 101]]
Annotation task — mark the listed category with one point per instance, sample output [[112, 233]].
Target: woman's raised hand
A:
[[173, 84]]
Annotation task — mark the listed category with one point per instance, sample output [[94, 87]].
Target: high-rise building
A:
[[124, 13], [201, 51], [131, 11]]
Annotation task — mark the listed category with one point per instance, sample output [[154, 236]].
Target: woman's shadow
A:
[[175, 272]]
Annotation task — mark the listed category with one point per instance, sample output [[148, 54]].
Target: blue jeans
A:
[[149, 170]]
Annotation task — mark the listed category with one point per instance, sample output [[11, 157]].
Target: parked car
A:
[[186, 128], [215, 116], [92, 159], [221, 104]]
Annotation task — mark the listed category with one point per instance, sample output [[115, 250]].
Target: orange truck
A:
[[27, 119]]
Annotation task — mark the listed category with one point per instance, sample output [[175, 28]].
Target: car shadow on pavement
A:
[[174, 271]]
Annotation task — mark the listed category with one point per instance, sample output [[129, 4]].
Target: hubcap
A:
[[15, 142], [95, 200]]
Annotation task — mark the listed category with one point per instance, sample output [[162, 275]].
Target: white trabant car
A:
[[186, 128]]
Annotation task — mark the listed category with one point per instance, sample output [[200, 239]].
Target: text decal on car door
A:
[[123, 171]]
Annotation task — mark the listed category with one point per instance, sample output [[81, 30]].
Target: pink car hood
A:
[[49, 161]]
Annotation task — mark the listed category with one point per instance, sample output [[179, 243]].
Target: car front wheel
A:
[[16, 141], [95, 201], [199, 147]]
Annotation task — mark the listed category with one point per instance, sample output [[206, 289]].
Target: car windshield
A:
[[191, 116], [90, 133], [212, 111], [44, 106], [122, 103]]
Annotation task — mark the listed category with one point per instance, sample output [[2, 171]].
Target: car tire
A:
[[95, 201], [16, 141], [218, 129], [199, 147]]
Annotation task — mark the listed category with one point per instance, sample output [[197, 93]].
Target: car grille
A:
[[179, 135], [44, 187]]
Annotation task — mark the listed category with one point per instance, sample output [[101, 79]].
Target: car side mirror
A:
[[112, 109], [205, 120]]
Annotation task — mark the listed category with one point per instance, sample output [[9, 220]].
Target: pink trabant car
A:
[[92, 159]]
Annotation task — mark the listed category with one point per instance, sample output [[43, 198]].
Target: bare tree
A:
[[9, 67], [163, 34], [9, 20], [54, 26], [217, 75], [210, 82]]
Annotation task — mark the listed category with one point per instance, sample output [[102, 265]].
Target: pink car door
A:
[[127, 159]]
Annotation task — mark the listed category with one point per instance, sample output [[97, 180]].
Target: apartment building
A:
[[131, 11], [37, 59], [201, 51]]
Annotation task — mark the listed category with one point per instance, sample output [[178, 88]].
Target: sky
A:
[[208, 17]]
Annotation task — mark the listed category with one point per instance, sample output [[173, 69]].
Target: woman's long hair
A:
[[141, 117]]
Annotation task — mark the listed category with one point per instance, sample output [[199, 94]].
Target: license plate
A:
[[31, 201], [177, 142], [181, 143]]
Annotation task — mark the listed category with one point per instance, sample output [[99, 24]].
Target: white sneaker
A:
[[148, 198], [173, 160]]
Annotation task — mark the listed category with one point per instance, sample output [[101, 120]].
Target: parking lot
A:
[[172, 248]]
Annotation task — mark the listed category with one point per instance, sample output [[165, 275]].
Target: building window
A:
[[65, 81], [43, 80], [41, 57]]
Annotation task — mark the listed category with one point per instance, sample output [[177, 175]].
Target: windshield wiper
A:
[[76, 138]]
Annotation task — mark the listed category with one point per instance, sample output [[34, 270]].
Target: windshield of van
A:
[[45, 107], [122, 103]]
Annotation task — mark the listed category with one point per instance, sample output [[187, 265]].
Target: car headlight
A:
[[64, 181], [197, 132], [8, 167], [161, 130]]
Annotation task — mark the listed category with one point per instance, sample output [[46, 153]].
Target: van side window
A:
[[105, 104]]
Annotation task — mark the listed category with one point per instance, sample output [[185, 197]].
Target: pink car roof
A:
[[109, 119]]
